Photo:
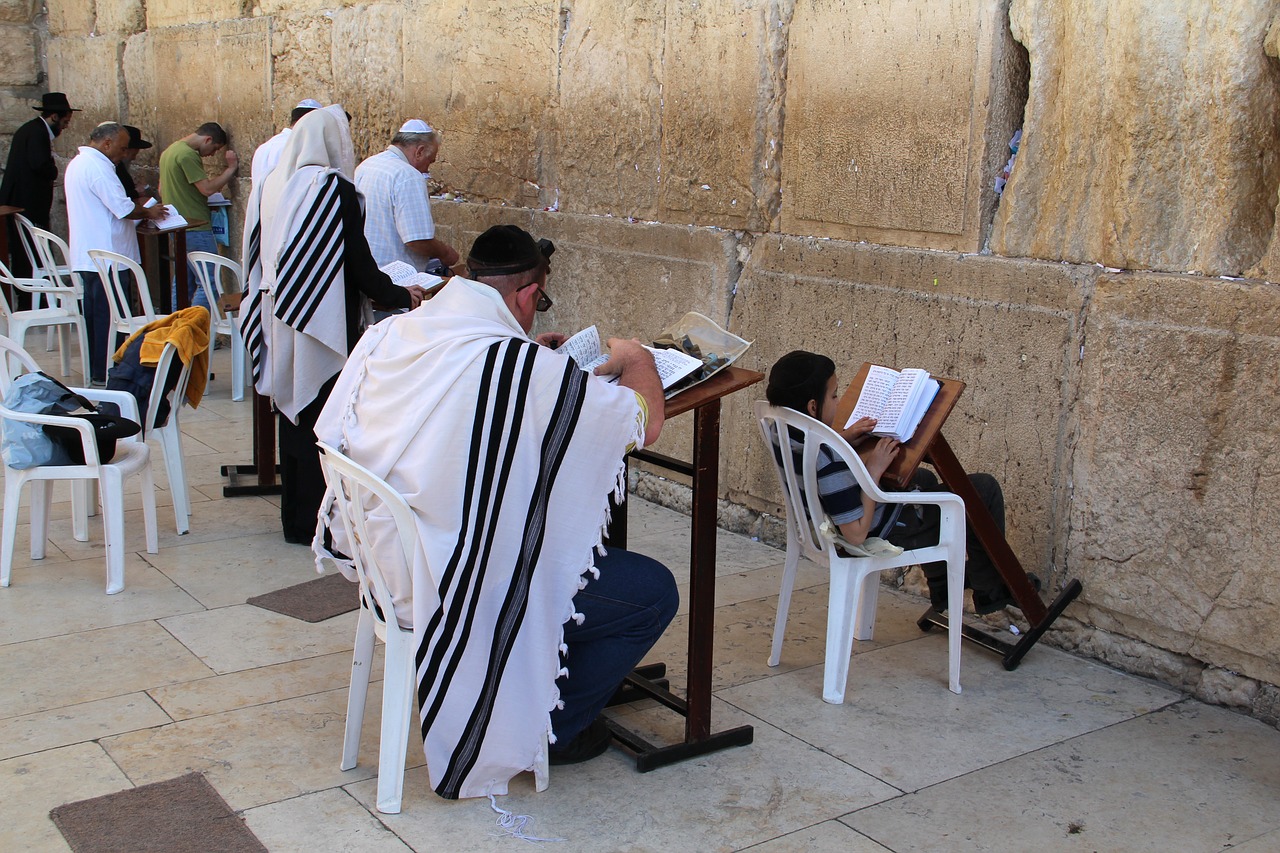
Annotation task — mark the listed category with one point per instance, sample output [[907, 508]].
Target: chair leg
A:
[[864, 618], [64, 348], [41, 502], [12, 496], [171, 443], [841, 603], [83, 504], [361, 661], [149, 509], [542, 768], [397, 707], [113, 526], [784, 601], [82, 336], [237, 363], [955, 615]]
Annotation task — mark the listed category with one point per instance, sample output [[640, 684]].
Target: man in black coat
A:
[[31, 171]]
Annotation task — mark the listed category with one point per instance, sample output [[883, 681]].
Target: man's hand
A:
[[417, 293], [634, 367], [625, 353], [551, 340], [233, 159], [155, 212]]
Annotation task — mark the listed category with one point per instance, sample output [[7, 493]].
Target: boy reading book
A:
[[806, 382]]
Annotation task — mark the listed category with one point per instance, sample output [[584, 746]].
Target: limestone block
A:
[[71, 17], [16, 110], [178, 13], [1269, 266], [485, 73], [286, 7], [121, 17], [723, 66], [1152, 137], [1176, 480], [88, 70], [1010, 331], [895, 114], [18, 64], [367, 79], [302, 66], [609, 121], [18, 11]]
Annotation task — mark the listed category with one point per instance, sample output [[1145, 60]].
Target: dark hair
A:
[[58, 113], [214, 131], [799, 377], [298, 112]]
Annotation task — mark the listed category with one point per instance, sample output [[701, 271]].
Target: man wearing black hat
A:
[[136, 144], [31, 170], [508, 454]]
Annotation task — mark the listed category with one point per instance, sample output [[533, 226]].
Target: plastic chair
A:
[[36, 243], [855, 583], [169, 433], [62, 312], [132, 456], [124, 322], [356, 489], [209, 269]]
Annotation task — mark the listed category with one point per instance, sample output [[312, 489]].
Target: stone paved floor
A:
[[177, 674]]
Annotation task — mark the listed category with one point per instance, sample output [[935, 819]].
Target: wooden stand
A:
[[156, 247], [264, 468], [928, 445]]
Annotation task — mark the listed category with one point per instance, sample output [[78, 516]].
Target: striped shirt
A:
[[838, 490]]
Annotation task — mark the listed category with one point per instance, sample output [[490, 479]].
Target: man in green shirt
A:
[[186, 185]]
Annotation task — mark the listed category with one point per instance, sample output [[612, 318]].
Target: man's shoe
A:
[[590, 742]]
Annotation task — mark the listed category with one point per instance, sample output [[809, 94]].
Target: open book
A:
[[896, 399], [406, 275], [585, 349], [172, 218]]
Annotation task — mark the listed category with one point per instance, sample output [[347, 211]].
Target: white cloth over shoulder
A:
[[508, 454]]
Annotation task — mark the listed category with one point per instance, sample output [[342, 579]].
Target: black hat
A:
[[55, 102], [507, 250], [135, 138]]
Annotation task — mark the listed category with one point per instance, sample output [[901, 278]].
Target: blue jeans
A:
[[627, 608], [197, 241], [97, 315]]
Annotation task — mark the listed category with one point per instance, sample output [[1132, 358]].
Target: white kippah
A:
[[310, 103], [415, 125]]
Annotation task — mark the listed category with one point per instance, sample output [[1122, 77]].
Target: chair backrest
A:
[[357, 490], [798, 446], [24, 229], [110, 266], [176, 395], [45, 243], [14, 361], [210, 269]]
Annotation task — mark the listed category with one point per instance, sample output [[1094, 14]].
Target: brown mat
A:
[[313, 601], [183, 815]]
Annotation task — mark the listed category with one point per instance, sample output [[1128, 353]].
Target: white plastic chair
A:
[[357, 489], [855, 582], [169, 433], [209, 269], [62, 312], [132, 456], [37, 243], [124, 322]]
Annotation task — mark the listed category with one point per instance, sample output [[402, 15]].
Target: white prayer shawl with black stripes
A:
[[508, 454], [294, 318]]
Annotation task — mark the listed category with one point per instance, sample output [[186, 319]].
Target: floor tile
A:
[[734, 553], [329, 821], [78, 723], [738, 587], [230, 639], [829, 837], [902, 688], [1188, 777], [33, 784], [225, 572]]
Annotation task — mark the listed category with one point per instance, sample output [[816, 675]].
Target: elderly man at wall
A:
[[301, 313], [101, 215], [398, 219], [508, 454], [136, 144], [267, 155], [185, 185], [29, 175]]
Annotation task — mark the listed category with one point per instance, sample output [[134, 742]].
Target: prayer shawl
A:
[[508, 454], [294, 318]]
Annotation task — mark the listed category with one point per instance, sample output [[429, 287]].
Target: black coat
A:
[[30, 172]]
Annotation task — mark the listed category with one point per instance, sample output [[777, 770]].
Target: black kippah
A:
[[504, 250]]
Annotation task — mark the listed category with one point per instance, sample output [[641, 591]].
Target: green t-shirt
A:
[[180, 168]]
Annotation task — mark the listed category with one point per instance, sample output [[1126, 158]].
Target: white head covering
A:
[[310, 103], [416, 125]]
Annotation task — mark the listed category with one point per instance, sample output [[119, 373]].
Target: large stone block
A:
[[18, 64], [368, 79], [71, 17], [121, 17], [1176, 480], [15, 111], [178, 13], [88, 70], [18, 11], [1269, 265], [1010, 330], [1152, 137], [302, 64], [485, 73], [897, 115]]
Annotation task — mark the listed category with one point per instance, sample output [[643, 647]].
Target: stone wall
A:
[[820, 173]]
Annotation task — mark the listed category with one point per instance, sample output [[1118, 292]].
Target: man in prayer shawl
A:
[[508, 454], [307, 265]]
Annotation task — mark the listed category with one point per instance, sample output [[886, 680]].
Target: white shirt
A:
[[96, 209], [397, 207], [266, 157]]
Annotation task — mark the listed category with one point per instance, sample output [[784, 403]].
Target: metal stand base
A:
[[237, 489]]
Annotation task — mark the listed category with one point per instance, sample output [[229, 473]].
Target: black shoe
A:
[[987, 603], [590, 742]]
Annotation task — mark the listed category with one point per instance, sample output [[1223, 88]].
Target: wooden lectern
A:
[[928, 445]]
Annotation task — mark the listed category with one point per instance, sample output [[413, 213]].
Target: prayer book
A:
[[897, 399], [172, 218], [586, 350], [406, 275]]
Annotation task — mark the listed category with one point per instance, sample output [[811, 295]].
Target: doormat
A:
[[314, 601], [182, 815]]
